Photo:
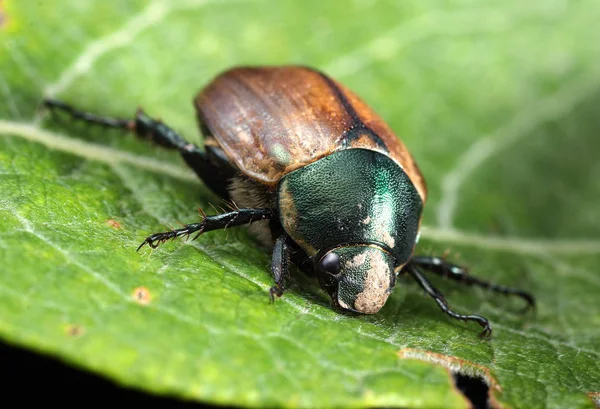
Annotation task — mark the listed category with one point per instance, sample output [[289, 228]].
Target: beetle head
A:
[[358, 278]]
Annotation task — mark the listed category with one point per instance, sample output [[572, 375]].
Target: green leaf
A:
[[498, 104]]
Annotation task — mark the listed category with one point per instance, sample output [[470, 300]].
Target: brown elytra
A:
[[270, 121]]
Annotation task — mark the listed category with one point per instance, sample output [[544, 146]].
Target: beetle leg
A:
[[220, 221], [142, 126], [441, 267], [105, 121], [280, 266], [441, 301]]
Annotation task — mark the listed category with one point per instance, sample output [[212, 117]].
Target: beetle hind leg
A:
[[143, 127], [460, 274], [104, 121], [441, 301]]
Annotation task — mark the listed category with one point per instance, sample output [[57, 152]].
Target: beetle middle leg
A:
[[220, 221], [441, 301], [457, 273], [280, 266]]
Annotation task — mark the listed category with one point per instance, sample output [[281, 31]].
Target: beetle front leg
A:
[[460, 274], [280, 266], [441, 301], [208, 223]]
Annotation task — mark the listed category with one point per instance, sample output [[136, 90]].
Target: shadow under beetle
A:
[[315, 168]]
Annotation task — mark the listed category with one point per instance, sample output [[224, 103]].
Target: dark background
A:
[[31, 377]]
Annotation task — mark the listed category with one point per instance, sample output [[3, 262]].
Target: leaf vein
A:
[[478, 154]]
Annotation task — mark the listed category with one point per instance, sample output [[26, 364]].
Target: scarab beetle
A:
[[337, 192]]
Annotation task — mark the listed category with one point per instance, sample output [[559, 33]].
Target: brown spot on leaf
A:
[[114, 224], [457, 365], [74, 330], [142, 295]]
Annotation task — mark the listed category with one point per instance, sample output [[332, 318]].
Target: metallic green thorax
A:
[[351, 196]]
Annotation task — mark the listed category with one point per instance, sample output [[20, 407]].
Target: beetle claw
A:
[[487, 330], [276, 290], [156, 240]]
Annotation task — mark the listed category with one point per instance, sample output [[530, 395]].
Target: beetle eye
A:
[[331, 263]]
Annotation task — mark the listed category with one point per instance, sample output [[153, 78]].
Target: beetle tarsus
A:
[[219, 221], [275, 291], [441, 301], [157, 239], [460, 274], [487, 329]]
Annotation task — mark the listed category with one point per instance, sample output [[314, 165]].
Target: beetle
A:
[[328, 183]]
